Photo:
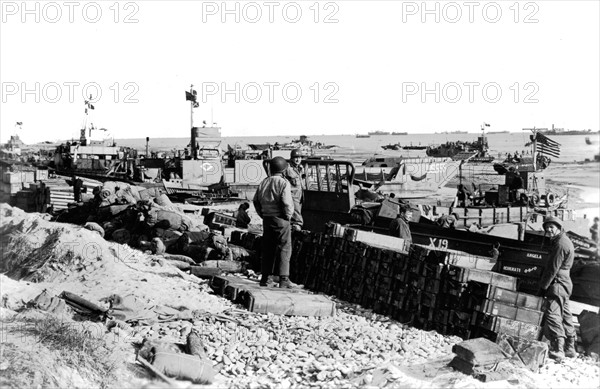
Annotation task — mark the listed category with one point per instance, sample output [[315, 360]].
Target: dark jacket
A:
[[560, 261], [399, 228], [242, 218]]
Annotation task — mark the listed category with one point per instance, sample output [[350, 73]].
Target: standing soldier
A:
[[273, 203], [399, 226], [556, 286], [295, 175]]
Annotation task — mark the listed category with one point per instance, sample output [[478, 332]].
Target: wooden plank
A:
[[375, 239]]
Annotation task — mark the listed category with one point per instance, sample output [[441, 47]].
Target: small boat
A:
[[412, 147], [395, 146], [363, 135], [460, 150], [588, 141]]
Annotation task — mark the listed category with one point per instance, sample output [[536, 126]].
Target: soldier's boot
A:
[[264, 280], [557, 349], [570, 351], [284, 282]]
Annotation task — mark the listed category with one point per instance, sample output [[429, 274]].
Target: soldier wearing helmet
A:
[[555, 284], [295, 175], [273, 203]]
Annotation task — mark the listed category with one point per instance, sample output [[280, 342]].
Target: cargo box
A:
[[520, 270]]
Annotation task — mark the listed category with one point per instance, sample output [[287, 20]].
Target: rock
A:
[[290, 346]]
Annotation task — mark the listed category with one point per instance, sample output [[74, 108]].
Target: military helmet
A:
[[278, 165], [552, 220], [296, 153]]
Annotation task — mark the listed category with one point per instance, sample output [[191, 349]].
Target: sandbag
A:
[[194, 344], [180, 258], [180, 265], [94, 227], [121, 236], [218, 242], [144, 195], [163, 200], [126, 196], [479, 351], [176, 220], [109, 186], [48, 303], [157, 246], [183, 366], [238, 252]]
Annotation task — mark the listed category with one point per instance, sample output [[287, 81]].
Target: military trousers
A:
[[558, 317], [276, 246]]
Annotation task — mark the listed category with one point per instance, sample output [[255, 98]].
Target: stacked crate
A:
[[505, 311], [527, 270], [14, 181], [433, 289]]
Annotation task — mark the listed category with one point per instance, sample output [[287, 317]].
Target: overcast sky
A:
[[304, 67]]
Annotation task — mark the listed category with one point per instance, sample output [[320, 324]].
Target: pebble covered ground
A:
[[355, 348]]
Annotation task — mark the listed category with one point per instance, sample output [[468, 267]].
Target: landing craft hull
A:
[[412, 179]]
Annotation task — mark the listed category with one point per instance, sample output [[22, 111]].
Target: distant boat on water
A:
[[399, 133], [379, 133], [461, 150], [395, 146], [363, 136], [499, 132], [588, 141], [562, 131]]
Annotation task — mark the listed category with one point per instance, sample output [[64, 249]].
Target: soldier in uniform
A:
[[556, 285], [273, 203], [399, 226], [295, 175]]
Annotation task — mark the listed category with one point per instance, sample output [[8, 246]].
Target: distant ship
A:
[[499, 132], [363, 136], [562, 131], [399, 133], [453, 132], [379, 133]]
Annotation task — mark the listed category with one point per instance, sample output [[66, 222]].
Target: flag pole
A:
[[191, 107]]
